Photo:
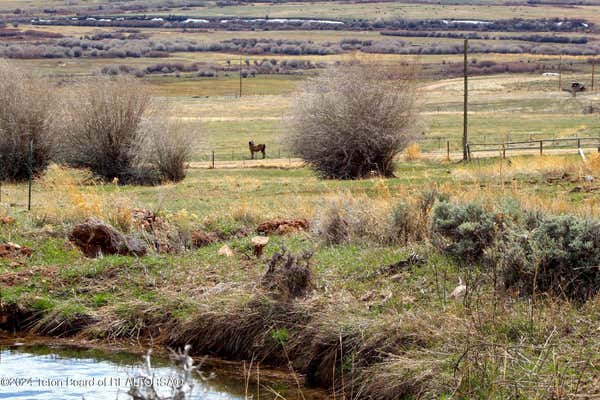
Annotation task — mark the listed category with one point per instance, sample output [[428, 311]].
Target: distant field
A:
[[393, 10], [501, 106]]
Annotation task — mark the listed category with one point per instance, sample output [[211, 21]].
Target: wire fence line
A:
[[436, 145], [534, 146], [20, 195]]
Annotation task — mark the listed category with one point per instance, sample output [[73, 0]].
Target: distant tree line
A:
[[190, 22], [99, 47], [484, 36], [488, 67], [249, 68]]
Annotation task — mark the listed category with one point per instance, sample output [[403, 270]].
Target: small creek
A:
[[49, 372]]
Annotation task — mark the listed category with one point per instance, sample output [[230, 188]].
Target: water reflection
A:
[[50, 373]]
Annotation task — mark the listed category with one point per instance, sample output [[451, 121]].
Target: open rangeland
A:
[[445, 279]]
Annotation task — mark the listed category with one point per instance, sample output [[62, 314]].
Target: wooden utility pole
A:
[[30, 165], [560, 73], [465, 105], [240, 76], [593, 72]]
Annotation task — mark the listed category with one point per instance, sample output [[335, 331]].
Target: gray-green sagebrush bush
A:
[[465, 230], [559, 255]]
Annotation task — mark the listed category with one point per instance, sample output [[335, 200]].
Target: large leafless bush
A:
[[112, 128], [102, 126], [166, 147], [351, 121], [26, 108]]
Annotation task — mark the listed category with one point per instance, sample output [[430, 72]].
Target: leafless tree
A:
[[351, 121], [26, 107]]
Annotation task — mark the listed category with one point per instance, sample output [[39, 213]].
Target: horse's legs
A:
[[251, 155], [264, 154]]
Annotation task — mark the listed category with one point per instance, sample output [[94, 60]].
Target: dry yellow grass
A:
[[552, 167], [73, 195], [412, 152]]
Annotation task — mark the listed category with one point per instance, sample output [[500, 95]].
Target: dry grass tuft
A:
[[412, 152], [547, 167]]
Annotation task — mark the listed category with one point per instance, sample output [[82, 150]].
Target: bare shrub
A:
[[25, 109], [102, 126], [354, 119], [166, 146]]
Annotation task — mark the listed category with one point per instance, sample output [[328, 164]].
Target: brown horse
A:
[[256, 148]]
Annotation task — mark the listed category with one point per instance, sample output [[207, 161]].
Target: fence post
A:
[[448, 150], [503, 151], [30, 164], [213, 159], [468, 152], [465, 103], [541, 147], [578, 143]]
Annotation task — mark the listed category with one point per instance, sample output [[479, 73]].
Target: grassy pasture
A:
[[513, 106], [126, 296]]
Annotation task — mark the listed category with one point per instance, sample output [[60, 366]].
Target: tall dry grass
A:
[[412, 152], [553, 167], [354, 218], [71, 196]]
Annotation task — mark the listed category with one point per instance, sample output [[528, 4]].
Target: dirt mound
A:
[[147, 220], [94, 238], [201, 238], [157, 231], [24, 275], [283, 226], [13, 250]]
